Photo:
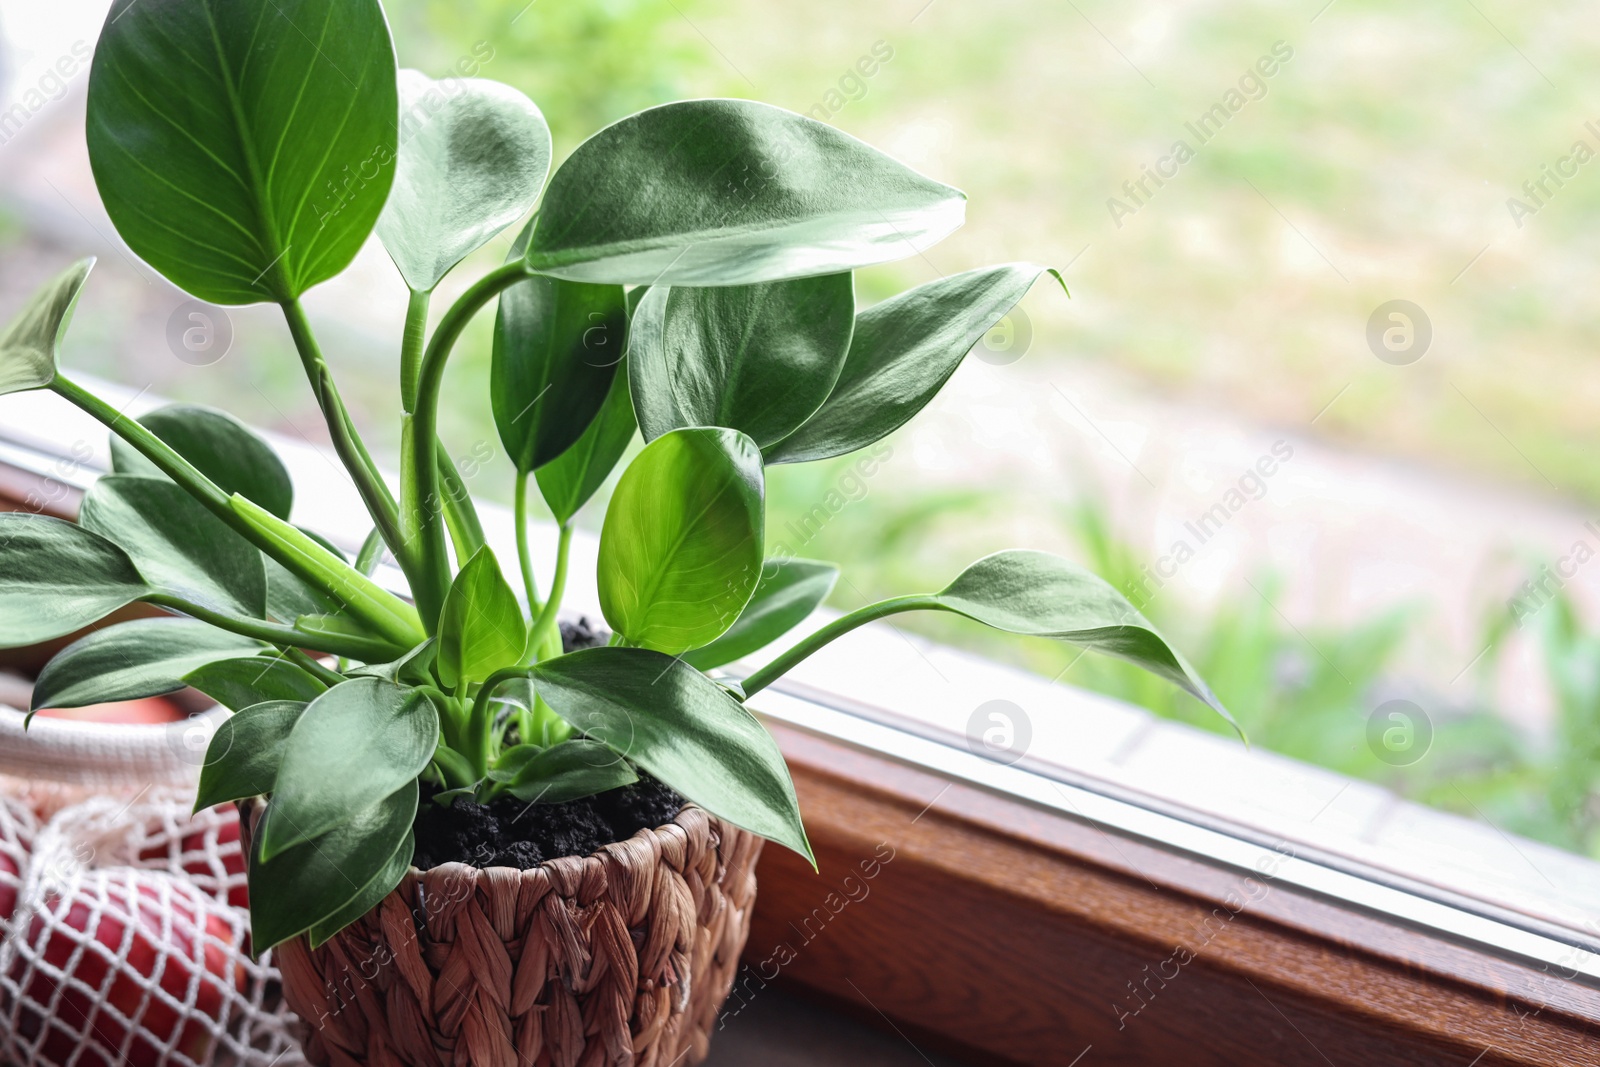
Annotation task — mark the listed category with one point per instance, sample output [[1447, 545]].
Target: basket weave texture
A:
[[621, 957]]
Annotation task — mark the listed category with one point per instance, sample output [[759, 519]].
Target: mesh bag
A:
[[123, 934]]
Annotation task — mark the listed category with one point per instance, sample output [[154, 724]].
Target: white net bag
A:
[[126, 940]]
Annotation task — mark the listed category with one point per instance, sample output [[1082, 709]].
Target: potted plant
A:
[[688, 276]]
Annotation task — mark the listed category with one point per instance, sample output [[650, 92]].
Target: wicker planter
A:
[[622, 957]]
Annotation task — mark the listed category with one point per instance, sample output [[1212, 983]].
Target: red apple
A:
[[91, 959], [10, 886], [223, 877], [16, 826], [150, 711]]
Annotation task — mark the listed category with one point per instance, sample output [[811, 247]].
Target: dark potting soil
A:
[[512, 833]]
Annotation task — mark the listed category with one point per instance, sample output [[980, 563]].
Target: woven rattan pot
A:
[[622, 957]]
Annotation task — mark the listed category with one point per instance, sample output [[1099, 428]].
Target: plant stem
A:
[[524, 555], [835, 629], [546, 623], [411, 347], [196, 484], [421, 523], [480, 727], [368, 650], [324, 675], [460, 514], [346, 441]]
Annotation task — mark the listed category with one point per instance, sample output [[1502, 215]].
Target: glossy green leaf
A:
[[410, 669], [557, 345], [481, 628], [903, 352], [569, 771], [220, 447], [178, 545], [370, 895], [388, 615], [1042, 595], [240, 683], [760, 359], [680, 552], [732, 192], [31, 342], [243, 757], [311, 883], [244, 148], [789, 591], [684, 729], [473, 156], [141, 658], [572, 478], [361, 739], [57, 577]]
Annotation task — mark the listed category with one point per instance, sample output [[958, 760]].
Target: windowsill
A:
[[1193, 810]]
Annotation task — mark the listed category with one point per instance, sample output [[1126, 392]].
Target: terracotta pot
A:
[[622, 957]]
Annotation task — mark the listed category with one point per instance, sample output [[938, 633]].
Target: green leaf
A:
[[684, 729], [244, 148], [311, 883], [346, 637], [789, 591], [142, 658], [732, 192], [386, 613], [557, 345], [240, 683], [680, 552], [473, 156], [243, 757], [481, 628], [57, 577], [760, 359], [569, 771], [177, 544], [1041, 595], [361, 739], [568, 481], [371, 895], [31, 342], [410, 669], [220, 447], [903, 352]]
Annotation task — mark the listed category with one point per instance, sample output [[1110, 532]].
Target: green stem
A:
[[480, 727], [524, 553], [546, 622], [460, 514], [364, 649], [346, 441], [322, 674], [411, 347], [421, 521], [196, 484], [834, 630]]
